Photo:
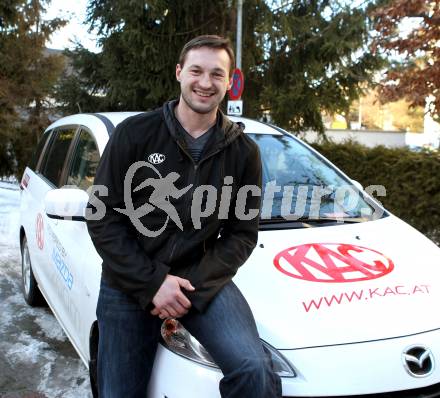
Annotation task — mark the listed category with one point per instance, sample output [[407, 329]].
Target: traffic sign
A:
[[235, 108], [237, 85]]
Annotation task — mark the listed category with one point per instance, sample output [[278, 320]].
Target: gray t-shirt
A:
[[195, 145]]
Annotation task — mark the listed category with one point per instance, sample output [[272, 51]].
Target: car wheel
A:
[[93, 363], [93, 374], [29, 285]]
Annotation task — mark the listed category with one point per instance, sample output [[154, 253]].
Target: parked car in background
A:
[[344, 293]]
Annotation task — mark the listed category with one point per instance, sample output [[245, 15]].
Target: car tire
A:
[[93, 374], [93, 363], [29, 285]]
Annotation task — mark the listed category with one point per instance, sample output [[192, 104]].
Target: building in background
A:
[[393, 124]]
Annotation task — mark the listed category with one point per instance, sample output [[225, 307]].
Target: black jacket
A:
[[210, 256]]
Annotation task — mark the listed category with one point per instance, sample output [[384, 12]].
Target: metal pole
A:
[[239, 31]]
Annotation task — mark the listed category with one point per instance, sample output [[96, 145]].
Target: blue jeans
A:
[[128, 338]]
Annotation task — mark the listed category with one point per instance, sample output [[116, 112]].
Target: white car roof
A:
[[117, 117], [96, 122], [89, 119], [254, 126]]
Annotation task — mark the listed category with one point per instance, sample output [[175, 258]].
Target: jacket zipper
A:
[[173, 249], [193, 180]]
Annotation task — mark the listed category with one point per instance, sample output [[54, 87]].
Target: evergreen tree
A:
[[315, 61], [299, 59], [140, 46], [27, 77]]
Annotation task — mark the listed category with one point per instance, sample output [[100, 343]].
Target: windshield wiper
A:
[[332, 219], [307, 222]]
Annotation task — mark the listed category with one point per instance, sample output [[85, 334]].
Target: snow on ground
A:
[[36, 358]]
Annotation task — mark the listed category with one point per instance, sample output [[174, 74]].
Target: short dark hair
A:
[[210, 41]]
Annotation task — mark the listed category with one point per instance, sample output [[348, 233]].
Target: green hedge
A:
[[411, 179]]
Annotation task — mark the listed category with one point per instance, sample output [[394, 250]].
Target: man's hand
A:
[[169, 300]]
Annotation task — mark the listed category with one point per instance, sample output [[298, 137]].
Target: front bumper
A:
[[348, 370]]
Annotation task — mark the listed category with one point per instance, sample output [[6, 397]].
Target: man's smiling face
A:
[[204, 78]]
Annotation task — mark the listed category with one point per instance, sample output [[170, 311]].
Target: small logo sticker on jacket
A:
[[156, 158]]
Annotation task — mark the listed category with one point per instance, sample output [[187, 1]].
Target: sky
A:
[[75, 13]]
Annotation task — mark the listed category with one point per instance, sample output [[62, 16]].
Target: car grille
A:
[[425, 392]]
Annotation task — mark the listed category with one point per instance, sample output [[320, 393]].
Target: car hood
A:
[[342, 284]]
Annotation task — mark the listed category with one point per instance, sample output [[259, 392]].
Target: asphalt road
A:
[[36, 358]]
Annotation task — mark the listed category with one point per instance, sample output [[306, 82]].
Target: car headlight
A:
[[181, 342], [280, 364]]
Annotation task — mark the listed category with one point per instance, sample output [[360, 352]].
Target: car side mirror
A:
[[66, 204]]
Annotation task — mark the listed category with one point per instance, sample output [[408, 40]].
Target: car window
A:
[[57, 154], [290, 165], [85, 161], [37, 153]]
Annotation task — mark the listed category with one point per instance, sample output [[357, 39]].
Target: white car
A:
[[345, 294]]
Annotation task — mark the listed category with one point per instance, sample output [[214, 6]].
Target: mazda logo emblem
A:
[[418, 361]]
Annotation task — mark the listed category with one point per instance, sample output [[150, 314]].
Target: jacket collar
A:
[[225, 132]]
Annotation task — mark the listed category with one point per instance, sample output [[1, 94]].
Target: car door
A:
[[75, 256], [57, 281], [33, 188], [46, 178]]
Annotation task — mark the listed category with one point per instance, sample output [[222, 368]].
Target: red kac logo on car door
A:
[[332, 263]]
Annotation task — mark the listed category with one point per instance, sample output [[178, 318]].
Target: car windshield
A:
[[299, 185]]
